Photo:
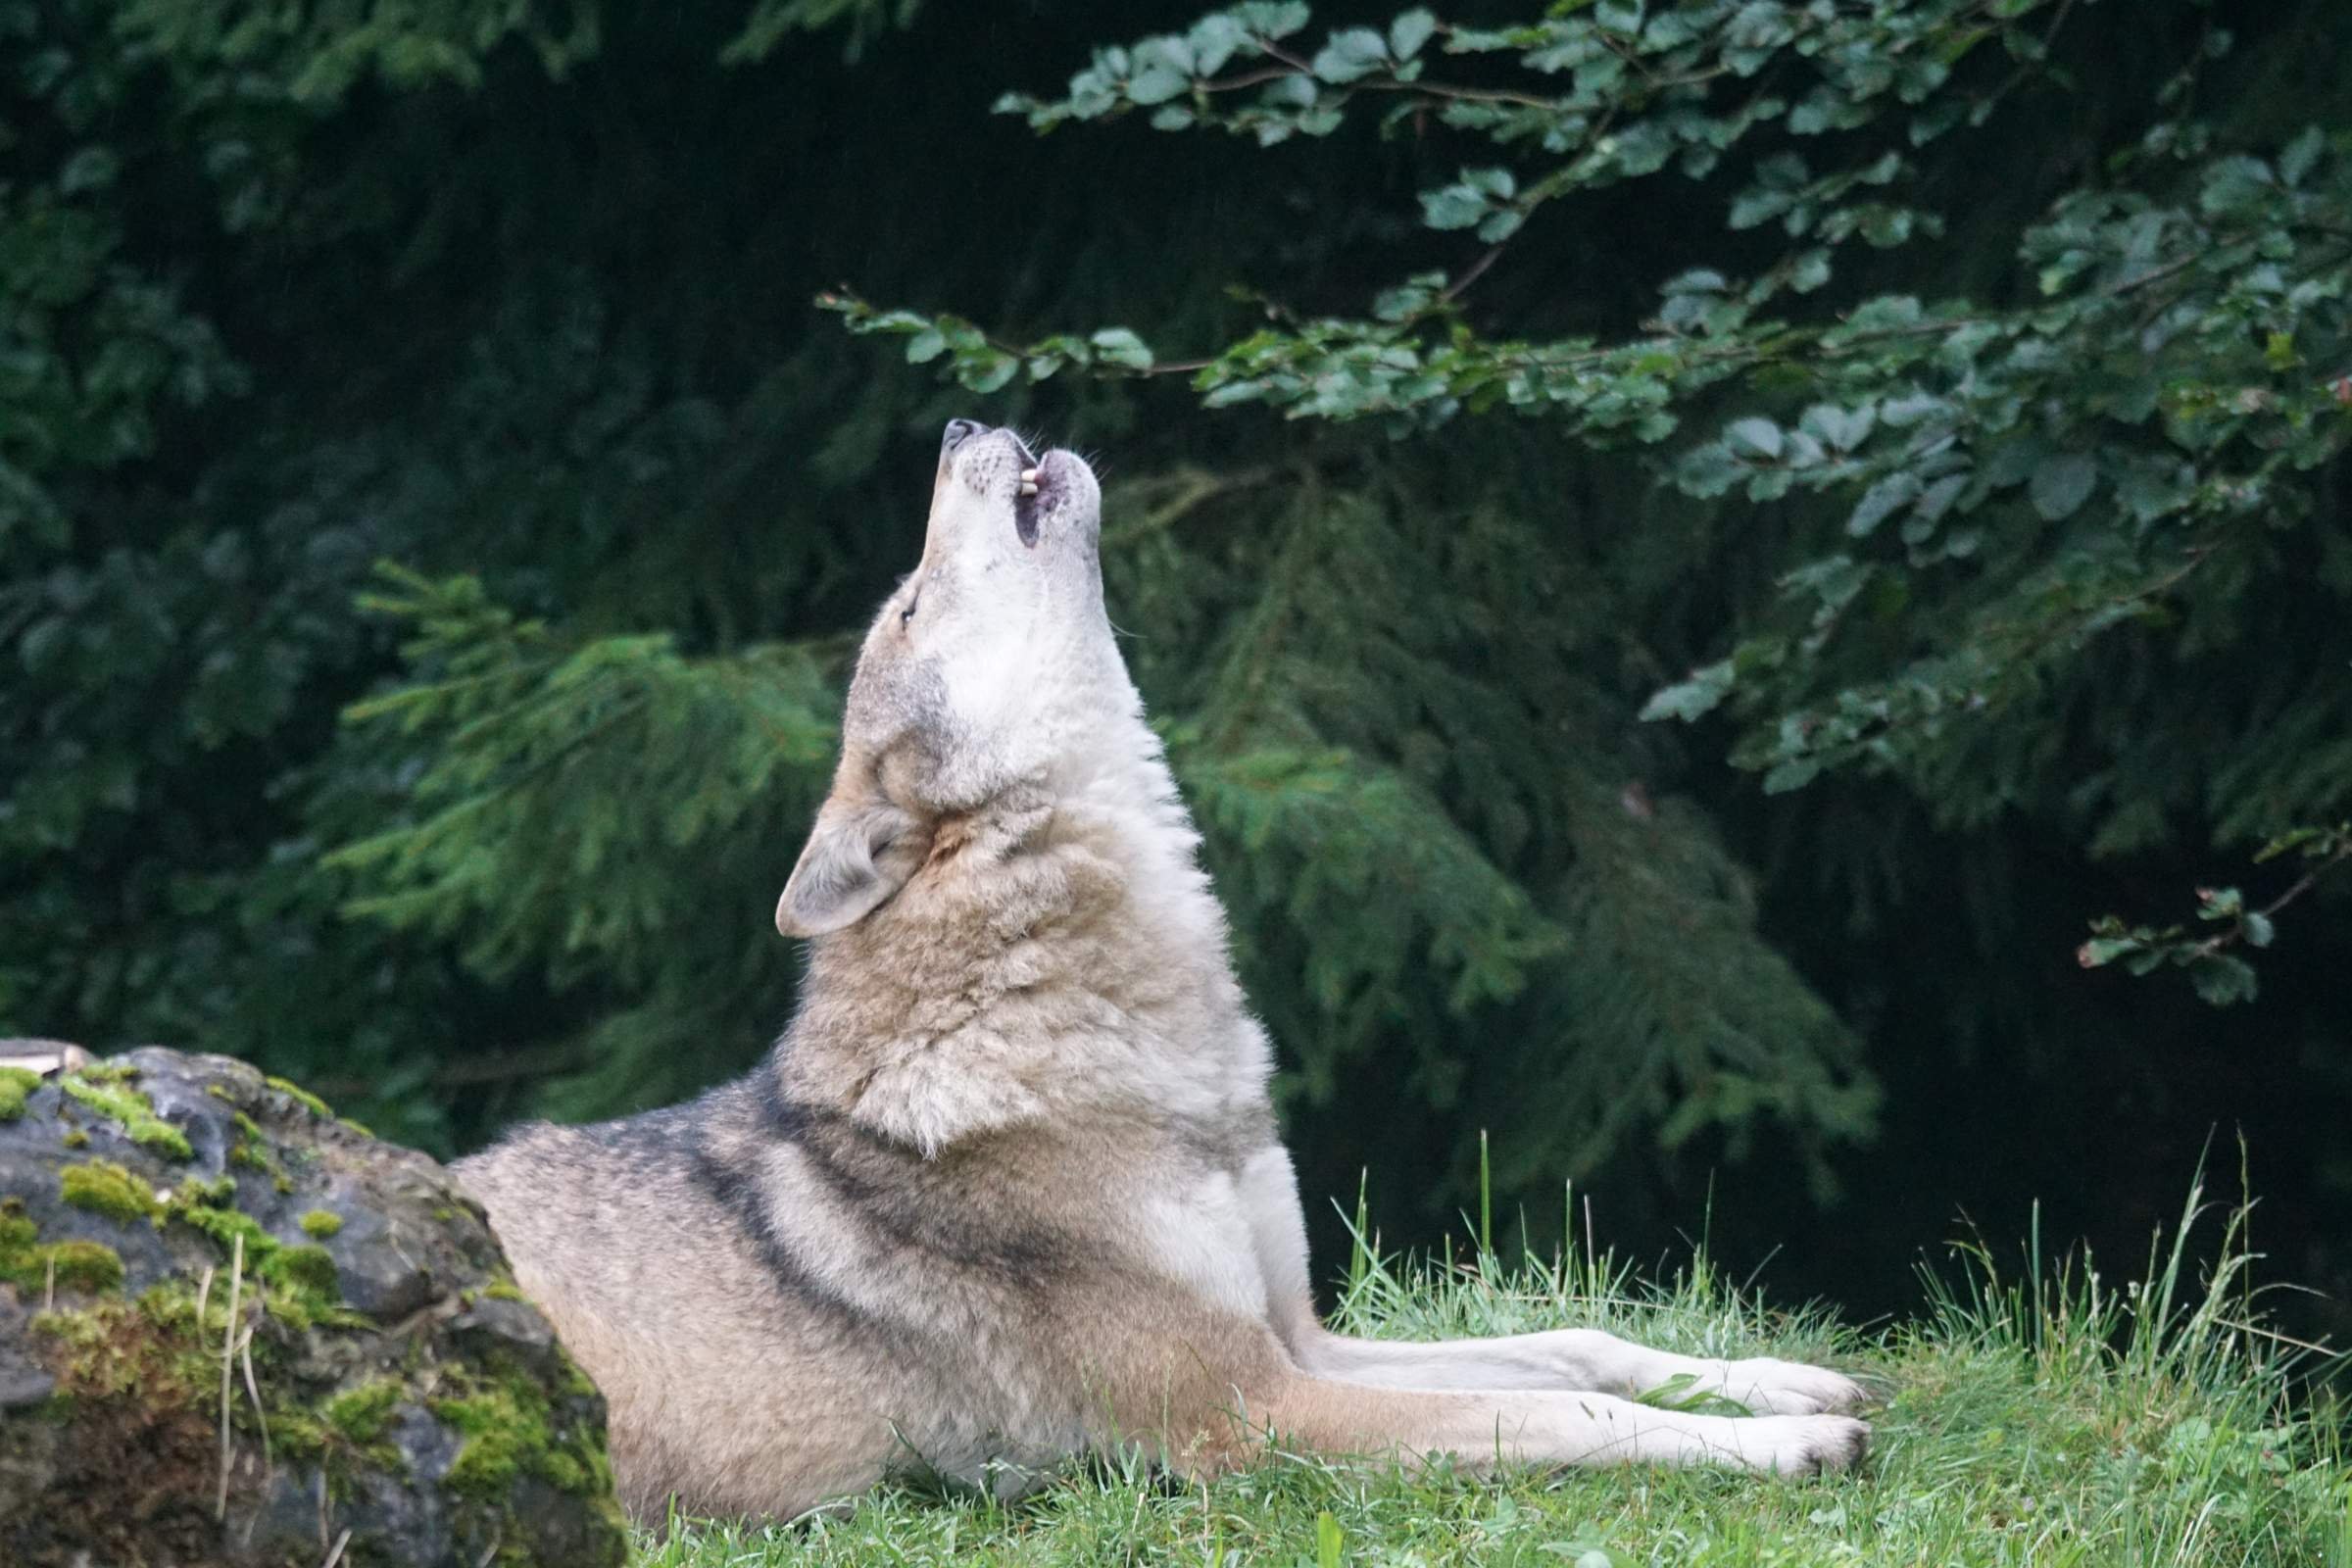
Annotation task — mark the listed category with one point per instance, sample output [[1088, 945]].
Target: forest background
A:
[[1685, 556]]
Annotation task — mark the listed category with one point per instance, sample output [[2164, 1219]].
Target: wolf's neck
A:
[[1064, 960]]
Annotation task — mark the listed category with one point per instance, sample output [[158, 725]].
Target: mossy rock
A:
[[399, 1390]]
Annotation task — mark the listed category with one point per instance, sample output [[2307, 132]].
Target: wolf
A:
[[1010, 1188]]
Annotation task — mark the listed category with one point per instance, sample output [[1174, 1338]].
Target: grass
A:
[[2046, 1417]]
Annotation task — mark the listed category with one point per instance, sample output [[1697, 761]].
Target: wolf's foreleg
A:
[[1482, 1431], [1576, 1359]]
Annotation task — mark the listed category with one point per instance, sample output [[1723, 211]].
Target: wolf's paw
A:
[[1800, 1444], [1790, 1387]]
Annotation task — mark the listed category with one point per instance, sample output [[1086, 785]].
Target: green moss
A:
[[301, 1096], [295, 1436], [361, 1414], [152, 1350], [252, 1151], [76, 1138], [252, 1147], [216, 1191], [321, 1223], [576, 1382], [108, 1072], [108, 1092], [225, 1226], [163, 1139], [509, 1430], [304, 1268], [112, 1102], [72, 1266], [504, 1291], [15, 1084], [105, 1188], [502, 1439]]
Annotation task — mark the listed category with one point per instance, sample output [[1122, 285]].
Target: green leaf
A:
[[1619, 15], [926, 345], [1838, 428], [2062, 483], [989, 372], [1273, 19], [2221, 978], [1350, 54], [1753, 437], [1214, 39], [1410, 31], [2100, 951], [1157, 84], [89, 168], [2301, 154], [1881, 501], [1116, 345], [1454, 207], [1501, 225], [1689, 699]]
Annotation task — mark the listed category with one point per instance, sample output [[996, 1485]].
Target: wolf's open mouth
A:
[[1027, 496]]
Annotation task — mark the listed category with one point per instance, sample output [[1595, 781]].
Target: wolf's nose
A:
[[957, 432]]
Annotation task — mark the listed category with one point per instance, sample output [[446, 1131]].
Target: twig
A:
[[228, 1356], [2303, 884], [335, 1557], [1471, 273], [2156, 275], [261, 1417]]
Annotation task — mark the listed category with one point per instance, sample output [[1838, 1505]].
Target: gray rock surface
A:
[[390, 1392]]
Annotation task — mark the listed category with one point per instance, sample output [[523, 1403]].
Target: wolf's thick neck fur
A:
[[1061, 951]]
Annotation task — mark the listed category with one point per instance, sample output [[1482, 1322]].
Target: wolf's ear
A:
[[856, 856]]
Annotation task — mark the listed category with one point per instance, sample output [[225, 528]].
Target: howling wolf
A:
[[1010, 1188]]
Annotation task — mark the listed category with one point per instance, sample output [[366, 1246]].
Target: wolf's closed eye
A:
[[913, 599]]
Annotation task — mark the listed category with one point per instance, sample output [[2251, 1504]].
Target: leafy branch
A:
[[2219, 974], [1993, 484]]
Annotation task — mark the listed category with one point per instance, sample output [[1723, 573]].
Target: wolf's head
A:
[[990, 673]]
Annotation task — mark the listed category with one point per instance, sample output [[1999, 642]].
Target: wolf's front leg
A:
[[1482, 1431], [1578, 1358]]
